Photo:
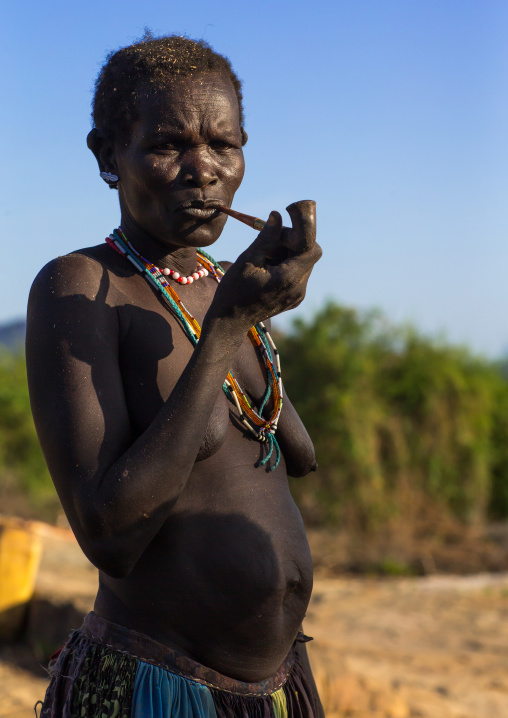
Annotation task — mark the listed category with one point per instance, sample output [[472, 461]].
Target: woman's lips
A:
[[203, 209], [200, 212]]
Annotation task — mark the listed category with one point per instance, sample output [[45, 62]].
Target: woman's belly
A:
[[228, 578]]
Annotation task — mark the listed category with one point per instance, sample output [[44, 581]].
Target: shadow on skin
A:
[[220, 575], [146, 338], [144, 352]]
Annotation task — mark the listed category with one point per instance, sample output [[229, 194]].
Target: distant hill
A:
[[12, 335]]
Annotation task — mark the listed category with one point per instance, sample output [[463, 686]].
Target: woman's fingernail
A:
[[272, 219]]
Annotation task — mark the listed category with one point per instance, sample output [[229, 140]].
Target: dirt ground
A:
[[428, 647]]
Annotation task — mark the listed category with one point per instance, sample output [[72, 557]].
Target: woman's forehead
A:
[[183, 99]]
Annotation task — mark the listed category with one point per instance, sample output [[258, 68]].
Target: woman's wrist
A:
[[227, 332]]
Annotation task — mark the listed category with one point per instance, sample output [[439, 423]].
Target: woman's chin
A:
[[203, 234]]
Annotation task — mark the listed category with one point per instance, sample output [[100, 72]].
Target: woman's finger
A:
[[303, 261], [303, 218], [267, 242]]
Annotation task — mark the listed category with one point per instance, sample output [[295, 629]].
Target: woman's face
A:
[[184, 158]]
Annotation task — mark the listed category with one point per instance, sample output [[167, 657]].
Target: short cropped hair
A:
[[151, 61]]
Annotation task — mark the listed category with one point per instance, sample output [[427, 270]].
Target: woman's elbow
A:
[[111, 551], [109, 557]]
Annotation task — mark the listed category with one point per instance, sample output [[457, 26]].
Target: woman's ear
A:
[[104, 153], [245, 136]]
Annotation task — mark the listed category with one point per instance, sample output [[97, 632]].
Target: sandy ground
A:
[[433, 647]]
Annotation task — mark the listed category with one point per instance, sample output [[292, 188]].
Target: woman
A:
[[175, 486]]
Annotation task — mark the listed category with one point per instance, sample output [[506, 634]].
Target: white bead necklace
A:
[[172, 274]]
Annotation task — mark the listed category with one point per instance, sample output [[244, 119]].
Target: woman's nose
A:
[[198, 169]]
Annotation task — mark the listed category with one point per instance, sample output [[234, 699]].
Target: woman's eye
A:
[[165, 147], [220, 145]]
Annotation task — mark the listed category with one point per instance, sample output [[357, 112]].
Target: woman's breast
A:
[[217, 429], [154, 352], [148, 381]]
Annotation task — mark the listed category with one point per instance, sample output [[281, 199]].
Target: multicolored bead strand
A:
[[261, 428]]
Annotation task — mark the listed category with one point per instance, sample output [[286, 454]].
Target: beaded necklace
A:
[[177, 277], [263, 429]]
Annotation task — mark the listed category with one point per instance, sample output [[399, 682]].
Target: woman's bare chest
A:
[[154, 351]]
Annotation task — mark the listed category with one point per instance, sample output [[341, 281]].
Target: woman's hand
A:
[[271, 276]]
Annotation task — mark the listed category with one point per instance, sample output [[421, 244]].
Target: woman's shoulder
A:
[[74, 297], [80, 272]]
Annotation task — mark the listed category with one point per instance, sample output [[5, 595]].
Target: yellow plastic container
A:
[[20, 553]]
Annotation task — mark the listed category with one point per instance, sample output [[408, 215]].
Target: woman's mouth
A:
[[200, 212], [201, 209]]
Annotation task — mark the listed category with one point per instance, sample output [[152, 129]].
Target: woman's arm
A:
[[115, 491]]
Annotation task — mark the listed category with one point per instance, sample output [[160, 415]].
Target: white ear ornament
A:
[[108, 177]]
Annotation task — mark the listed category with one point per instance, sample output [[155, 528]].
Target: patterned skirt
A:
[[106, 671]]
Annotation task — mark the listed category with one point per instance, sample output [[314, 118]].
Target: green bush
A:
[[25, 483], [395, 418]]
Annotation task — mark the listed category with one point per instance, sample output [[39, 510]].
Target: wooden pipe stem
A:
[[253, 222]]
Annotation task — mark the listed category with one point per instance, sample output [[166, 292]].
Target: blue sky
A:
[[391, 114]]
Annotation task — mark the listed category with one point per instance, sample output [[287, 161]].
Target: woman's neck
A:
[[161, 254]]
